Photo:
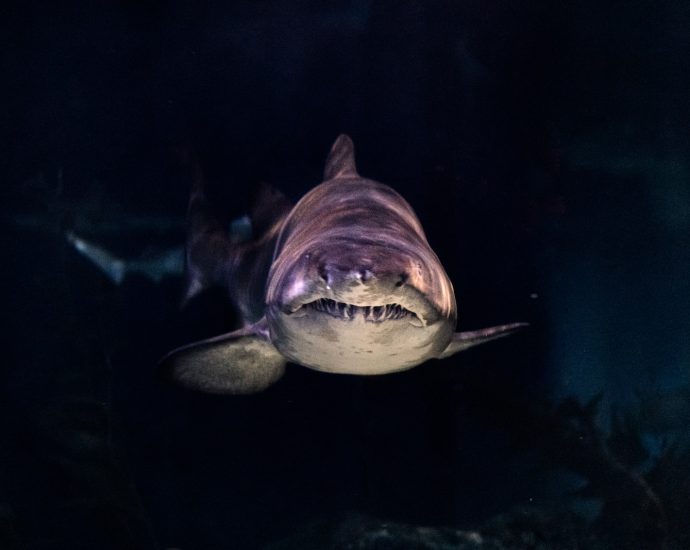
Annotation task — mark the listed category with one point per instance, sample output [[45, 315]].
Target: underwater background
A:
[[544, 146]]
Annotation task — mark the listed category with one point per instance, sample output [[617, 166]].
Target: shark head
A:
[[354, 286], [360, 307]]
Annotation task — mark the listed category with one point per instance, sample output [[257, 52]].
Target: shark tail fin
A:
[[209, 244], [215, 252], [114, 268], [269, 206]]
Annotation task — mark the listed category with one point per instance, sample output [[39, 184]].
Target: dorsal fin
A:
[[269, 206], [341, 160]]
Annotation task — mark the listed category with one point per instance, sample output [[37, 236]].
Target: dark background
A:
[[544, 146]]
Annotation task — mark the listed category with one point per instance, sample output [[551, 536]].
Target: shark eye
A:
[[402, 279]]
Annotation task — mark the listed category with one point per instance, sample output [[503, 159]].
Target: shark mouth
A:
[[375, 314]]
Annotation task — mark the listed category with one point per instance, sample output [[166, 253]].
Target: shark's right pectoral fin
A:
[[464, 340], [240, 362]]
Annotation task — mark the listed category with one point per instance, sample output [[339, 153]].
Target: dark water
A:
[[544, 146]]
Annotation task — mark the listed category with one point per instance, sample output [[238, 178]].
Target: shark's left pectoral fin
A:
[[240, 362], [464, 340]]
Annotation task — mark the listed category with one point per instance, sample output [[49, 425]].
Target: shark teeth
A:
[[374, 314]]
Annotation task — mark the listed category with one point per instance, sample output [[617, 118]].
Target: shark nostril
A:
[[325, 276], [402, 279], [365, 275]]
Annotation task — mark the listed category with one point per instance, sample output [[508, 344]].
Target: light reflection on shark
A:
[[343, 282]]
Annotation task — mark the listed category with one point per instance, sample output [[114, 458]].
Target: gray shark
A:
[[154, 266], [343, 282]]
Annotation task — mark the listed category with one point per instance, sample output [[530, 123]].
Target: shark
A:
[[342, 282], [155, 265]]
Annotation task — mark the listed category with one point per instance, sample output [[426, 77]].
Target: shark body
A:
[[343, 282]]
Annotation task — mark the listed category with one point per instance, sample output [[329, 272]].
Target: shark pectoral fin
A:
[[240, 362], [464, 340]]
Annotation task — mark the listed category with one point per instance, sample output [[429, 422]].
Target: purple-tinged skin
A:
[[343, 282]]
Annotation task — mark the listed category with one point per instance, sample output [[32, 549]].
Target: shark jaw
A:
[[372, 302], [362, 313], [354, 334]]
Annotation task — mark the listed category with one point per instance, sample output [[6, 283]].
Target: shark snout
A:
[[365, 275], [355, 273]]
